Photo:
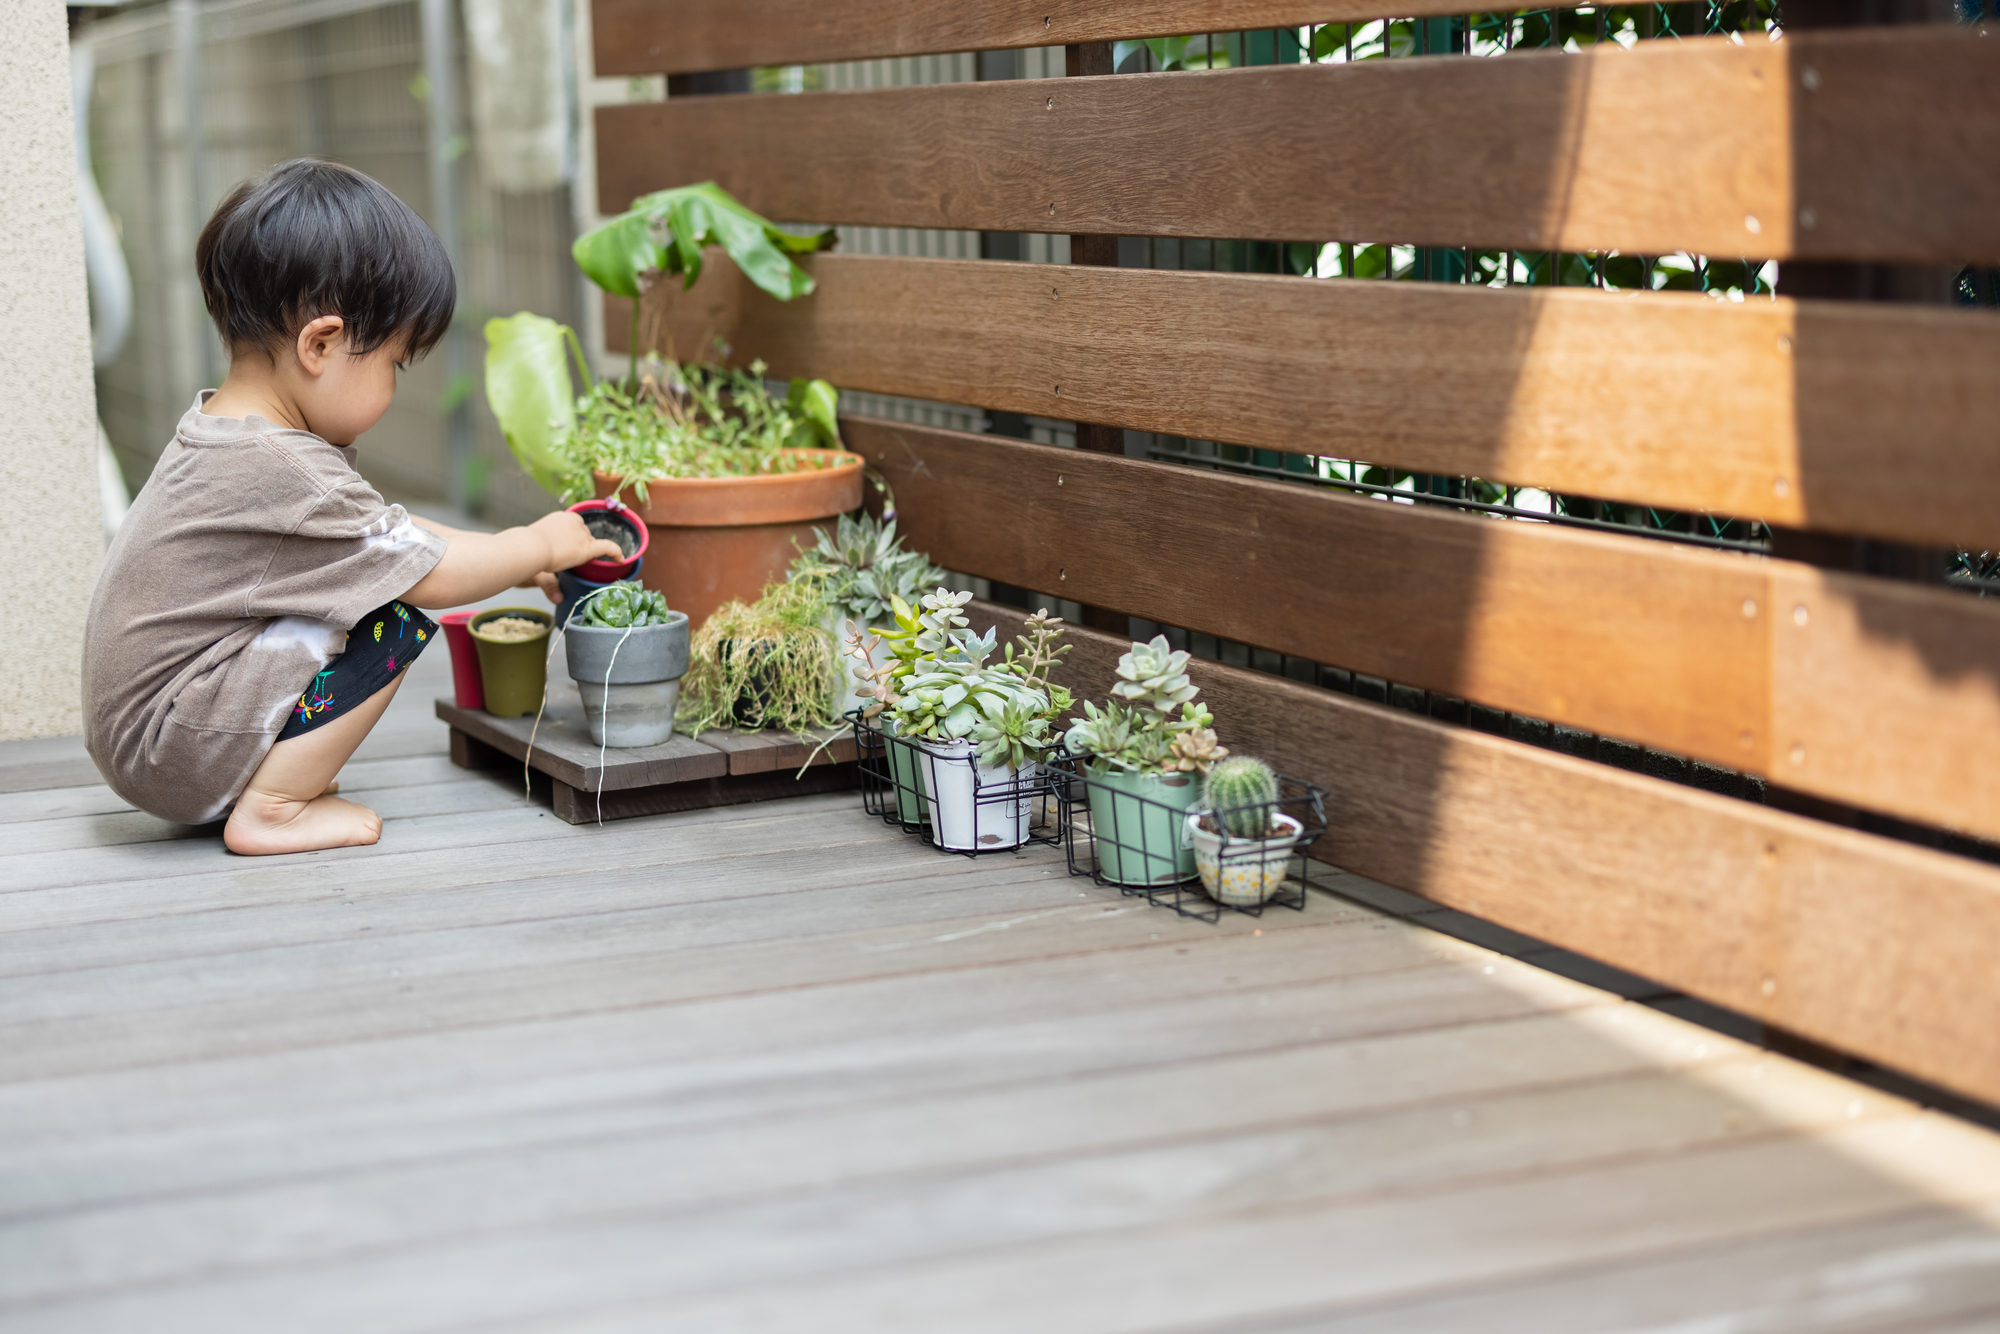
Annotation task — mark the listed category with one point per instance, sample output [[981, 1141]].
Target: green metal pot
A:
[[1136, 821], [515, 673]]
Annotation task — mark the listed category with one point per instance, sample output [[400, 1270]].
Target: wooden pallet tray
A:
[[717, 768]]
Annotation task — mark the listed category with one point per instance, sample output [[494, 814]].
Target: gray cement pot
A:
[[629, 699]]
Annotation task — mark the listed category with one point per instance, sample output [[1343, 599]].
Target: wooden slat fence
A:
[[651, 37], [1796, 412], [1842, 145], [1879, 421]]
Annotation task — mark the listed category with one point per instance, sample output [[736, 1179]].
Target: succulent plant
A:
[[939, 684], [1154, 676], [1243, 795], [1136, 731], [623, 604], [1015, 733], [1196, 750], [861, 565]]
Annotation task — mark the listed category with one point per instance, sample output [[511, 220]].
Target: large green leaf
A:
[[528, 388], [819, 403], [666, 232], [614, 255]]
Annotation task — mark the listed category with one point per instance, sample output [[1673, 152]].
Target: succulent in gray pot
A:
[[627, 653]]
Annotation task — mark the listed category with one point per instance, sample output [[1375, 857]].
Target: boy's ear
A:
[[317, 343]]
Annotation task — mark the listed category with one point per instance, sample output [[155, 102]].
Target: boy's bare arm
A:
[[478, 565]]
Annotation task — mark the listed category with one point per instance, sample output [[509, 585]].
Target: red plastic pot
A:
[[611, 571], [468, 689]]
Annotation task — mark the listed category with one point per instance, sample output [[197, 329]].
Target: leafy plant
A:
[[679, 421], [861, 566], [665, 233], [528, 388], [1137, 730], [703, 421], [623, 604], [763, 664], [697, 421], [1242, 793], [1171, 53]]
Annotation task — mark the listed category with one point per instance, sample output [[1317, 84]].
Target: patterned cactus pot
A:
[[1242, 872]]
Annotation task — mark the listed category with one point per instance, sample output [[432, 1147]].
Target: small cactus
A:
[[1243, 792]]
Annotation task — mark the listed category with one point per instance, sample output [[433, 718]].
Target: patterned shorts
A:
[[381, 644]]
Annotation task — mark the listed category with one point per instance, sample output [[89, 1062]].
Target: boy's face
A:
[[344, 394]]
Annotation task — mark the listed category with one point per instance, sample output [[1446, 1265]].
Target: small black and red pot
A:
[[609, 519]]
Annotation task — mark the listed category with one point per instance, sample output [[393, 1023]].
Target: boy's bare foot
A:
[[262, 824]]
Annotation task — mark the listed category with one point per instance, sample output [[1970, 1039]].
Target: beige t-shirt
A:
[[246, 557]]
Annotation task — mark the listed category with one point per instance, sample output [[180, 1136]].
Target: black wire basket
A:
[[1147, 836], [939, 792]]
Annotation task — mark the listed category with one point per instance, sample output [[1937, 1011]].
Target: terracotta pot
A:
[[719, 539]]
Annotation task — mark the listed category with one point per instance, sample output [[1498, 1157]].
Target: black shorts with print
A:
[[381, 644]]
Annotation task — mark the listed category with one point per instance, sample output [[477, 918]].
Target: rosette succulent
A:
[[1152, 723], [625, 604], [861, 567]]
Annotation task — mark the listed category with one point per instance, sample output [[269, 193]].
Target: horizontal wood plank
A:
[[578, 806], [1828, 415], [1868, 945], [691, 36], [771, 750], [1871, 151], [560, 746], [1879, 694]]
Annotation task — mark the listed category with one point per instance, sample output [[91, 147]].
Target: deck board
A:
[[779, 1067]]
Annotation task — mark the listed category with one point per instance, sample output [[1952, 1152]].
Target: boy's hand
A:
[[570, 543], [551, 589]]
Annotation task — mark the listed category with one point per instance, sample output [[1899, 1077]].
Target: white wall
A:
[[51, 533]]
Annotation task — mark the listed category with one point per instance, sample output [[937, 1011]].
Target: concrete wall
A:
[[51, 532]]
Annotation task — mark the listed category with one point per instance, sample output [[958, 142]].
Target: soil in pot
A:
[[608, 527], [513, 661], [613, 523], [1136, 821]]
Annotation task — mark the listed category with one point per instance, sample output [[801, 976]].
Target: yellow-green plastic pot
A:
[[515, 674]]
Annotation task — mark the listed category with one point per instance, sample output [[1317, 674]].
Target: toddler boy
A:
[[261, 601]]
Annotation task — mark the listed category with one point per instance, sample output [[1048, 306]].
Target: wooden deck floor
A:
[[777, 1068]]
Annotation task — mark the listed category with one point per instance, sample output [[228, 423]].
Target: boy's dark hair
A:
[[311, 238]]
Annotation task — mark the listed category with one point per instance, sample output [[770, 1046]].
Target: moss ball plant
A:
[[764, 664]]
